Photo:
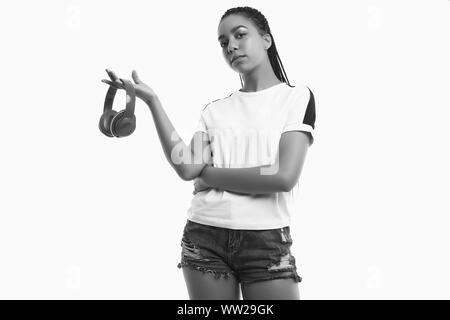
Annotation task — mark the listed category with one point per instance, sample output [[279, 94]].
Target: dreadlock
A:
[[262, 26]]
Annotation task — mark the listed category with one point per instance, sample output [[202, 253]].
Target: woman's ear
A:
[[267, 41]]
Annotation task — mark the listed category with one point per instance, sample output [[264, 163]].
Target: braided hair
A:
[[262, 26]]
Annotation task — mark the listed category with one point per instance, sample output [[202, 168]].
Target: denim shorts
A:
[[249, 255]]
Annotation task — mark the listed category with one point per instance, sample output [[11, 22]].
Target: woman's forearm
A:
[[177, 153], [254, 180]]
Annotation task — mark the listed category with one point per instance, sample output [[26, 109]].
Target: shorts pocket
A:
[[188, 227]]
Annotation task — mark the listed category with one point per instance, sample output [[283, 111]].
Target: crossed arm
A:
[[282, 176]]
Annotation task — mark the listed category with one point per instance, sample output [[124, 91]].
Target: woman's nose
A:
[[232, 46]]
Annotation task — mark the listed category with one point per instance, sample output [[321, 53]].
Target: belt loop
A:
[[283, 235]]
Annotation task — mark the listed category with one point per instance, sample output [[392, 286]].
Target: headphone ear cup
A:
[[105, 122], [122, 126]]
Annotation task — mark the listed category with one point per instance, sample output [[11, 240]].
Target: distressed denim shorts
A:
[[249, 255]]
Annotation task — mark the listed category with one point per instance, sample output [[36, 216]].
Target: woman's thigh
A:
[[265, 265], [203, 260], [205, 286], [278, 289]]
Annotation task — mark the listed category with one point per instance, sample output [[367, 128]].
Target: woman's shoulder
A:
[[302, 90], [216, 103]]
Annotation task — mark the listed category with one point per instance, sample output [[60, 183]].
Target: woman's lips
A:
[[240, 57]]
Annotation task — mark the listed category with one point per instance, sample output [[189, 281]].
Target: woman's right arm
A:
[[188, 161]]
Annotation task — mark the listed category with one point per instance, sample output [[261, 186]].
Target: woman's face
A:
[[238, 36]]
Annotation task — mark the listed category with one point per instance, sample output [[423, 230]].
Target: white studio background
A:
[[83, 216]]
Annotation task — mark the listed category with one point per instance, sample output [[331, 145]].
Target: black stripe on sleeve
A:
[[310, 113]]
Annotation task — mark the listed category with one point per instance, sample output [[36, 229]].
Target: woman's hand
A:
[[200, 185], [143, 91]]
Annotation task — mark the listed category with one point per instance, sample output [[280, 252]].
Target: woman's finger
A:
[[112, 75], [117, 85], [135, 77], [114, 84]]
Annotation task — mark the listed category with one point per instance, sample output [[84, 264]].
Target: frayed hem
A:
[[217, 274], [294, 276]]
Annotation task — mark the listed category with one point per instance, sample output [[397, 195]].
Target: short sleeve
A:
[[301, 114], [201, 125]]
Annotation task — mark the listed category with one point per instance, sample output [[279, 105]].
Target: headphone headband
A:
[[109, 98], [130, 98]]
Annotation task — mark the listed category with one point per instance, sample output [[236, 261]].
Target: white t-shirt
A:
[[244, 130]]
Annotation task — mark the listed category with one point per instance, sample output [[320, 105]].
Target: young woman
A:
[[248, 152]]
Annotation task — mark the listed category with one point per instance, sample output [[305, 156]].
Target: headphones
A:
[[122, 123]]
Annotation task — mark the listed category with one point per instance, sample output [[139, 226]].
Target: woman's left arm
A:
[[280, 177]]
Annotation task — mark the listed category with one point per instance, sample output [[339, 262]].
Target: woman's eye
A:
[[224, 43]]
